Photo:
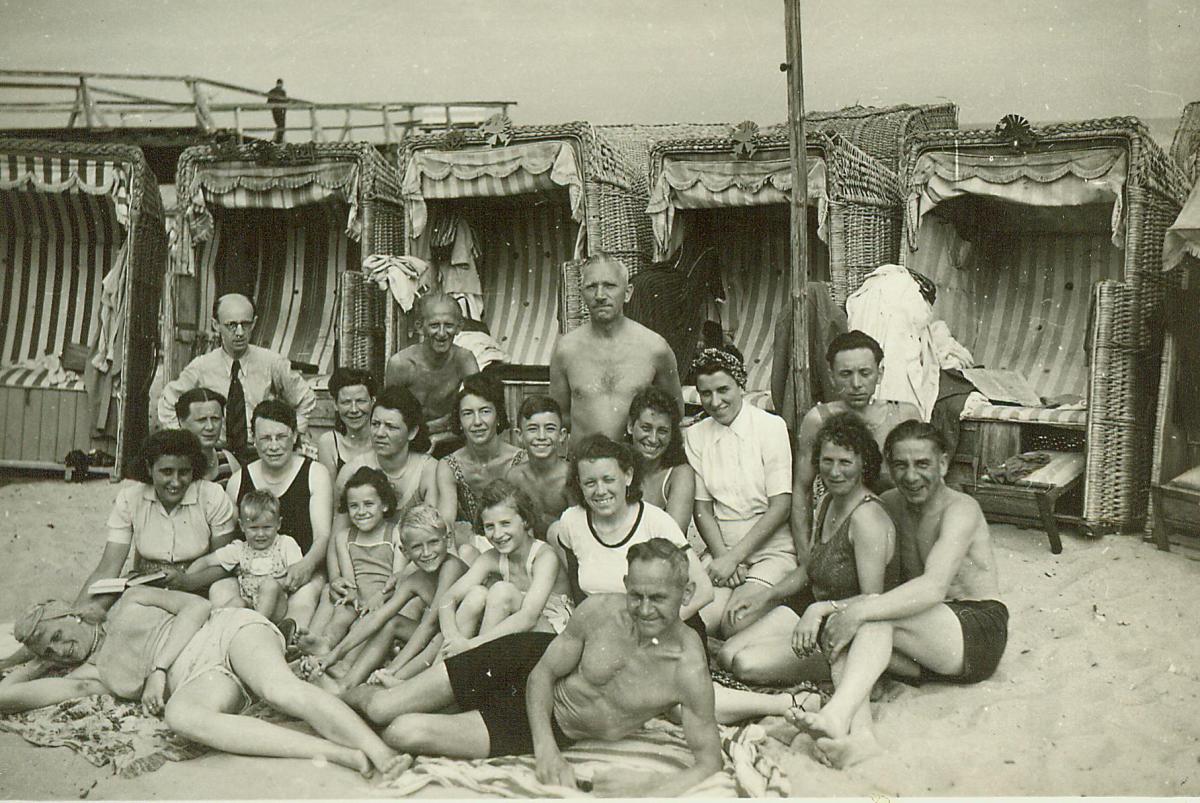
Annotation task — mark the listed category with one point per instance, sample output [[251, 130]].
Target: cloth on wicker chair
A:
[[658, 747]]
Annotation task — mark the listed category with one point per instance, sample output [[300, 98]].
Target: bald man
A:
[[433, 369], [596, 369], [261, 374]]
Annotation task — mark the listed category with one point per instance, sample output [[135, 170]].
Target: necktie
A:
[[235, 412]]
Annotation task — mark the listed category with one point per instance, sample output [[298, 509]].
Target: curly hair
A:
[[375, 478], [401, 399], [485, 387], [849, 432], [656, 400], [602, 447], [168, 443], [503, 492]]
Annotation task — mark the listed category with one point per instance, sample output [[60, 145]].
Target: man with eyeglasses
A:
[[244, 373]]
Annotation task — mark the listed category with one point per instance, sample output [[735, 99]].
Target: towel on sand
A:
[[657, 748]]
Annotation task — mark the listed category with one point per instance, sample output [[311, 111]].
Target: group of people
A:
[[479, 593]]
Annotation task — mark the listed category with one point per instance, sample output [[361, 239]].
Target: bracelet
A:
[[162, 669], [838, 607]]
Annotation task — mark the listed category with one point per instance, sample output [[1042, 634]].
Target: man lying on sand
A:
[[944, 624], [623, 659]]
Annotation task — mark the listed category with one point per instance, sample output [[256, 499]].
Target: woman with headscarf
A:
[[743, 463]]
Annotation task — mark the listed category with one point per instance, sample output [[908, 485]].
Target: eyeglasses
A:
[[234, 326]]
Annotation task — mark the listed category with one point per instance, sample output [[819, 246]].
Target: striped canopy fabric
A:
[[1020, 299], [56, 247], [520, 169], [524, 241], [699, 181], [288, 261], [88, 176]]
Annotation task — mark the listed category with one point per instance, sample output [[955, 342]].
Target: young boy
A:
[[544, 476], [261, 561], [432, 570]]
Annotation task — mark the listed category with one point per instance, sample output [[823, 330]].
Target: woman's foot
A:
[[395, 766], [848, 750], [354, 759], [823, 723]]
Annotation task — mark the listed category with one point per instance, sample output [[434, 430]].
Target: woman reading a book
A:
[[166, 520], [197, 666]]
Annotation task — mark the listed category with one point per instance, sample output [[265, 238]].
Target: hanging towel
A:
[[405, 276], [890, 308]]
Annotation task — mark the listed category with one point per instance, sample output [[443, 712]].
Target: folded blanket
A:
[[658, 748]]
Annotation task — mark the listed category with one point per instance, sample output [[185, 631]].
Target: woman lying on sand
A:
[[155, 642]]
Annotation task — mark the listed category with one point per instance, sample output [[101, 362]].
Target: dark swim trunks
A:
[[985, 634], [491, 679]]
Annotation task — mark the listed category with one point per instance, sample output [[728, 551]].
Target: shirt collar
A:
[[742, 424], [191, 494]]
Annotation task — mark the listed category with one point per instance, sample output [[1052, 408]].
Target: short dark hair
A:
[[274, 410], [485, 387], [499, 492], [366, 475], [661, 549], [602, 447], [169, 443], [538, 403], [350, 377], [655, 399], [402, 400], [849, 432], [183, 405], [852, 341], [915, 430]]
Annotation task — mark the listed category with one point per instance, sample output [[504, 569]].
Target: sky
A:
[[645, 61]]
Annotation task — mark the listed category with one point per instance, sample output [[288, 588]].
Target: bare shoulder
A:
[[405, 359], [568, 343], [465, 358], [961, 508], [893, 502], [652, 339], [907, 411]]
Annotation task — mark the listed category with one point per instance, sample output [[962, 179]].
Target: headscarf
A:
[[730, 364], [47, 611]]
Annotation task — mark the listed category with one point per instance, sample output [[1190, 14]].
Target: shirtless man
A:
[[596, 369], [622, 660], [945, 623], [855, 364], [434, 368]]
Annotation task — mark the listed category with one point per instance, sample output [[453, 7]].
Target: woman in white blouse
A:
[[743, 462]]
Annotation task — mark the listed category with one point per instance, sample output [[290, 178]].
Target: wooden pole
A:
[[802, 395]]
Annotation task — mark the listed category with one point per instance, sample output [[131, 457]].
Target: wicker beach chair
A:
[[1046, 246], [289, 225], [84, 245]]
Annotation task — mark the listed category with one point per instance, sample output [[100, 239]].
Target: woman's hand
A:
[[154, 692], [390, 585], [804, 635], [454, 646], [750, 601], [371, 604], [723, 569], [298, 574], [341, 588]]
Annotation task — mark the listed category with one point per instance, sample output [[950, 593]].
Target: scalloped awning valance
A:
[[489, 173], [1052, 178], [691, 183], [66, 175]]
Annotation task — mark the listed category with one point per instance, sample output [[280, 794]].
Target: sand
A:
[[1096, 695]]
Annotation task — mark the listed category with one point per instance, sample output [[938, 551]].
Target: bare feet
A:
[[313, 644], [354, 759], [847, 751], [395, 766], [822, 723], [359, 696]]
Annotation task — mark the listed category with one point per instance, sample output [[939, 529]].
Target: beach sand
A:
[[1098, 693]]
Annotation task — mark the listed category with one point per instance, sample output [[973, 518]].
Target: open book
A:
[[1003, 386], [116, 585]]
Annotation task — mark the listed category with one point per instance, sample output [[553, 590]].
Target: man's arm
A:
[[560, 385], [295, 391], [188, 378], [666, 374], [559, 660], [699, 729], [803, 475], [396, 372]]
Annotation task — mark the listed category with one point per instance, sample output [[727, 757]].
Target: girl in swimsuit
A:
[[853, 545], [530, 591], [480, 419], [353, 393], [667, 479]]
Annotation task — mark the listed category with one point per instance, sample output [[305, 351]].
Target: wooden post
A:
[[802, 394]]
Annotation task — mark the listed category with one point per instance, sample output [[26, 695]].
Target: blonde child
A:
[[363, 560], [530, 591], [432, 570], [544, 476], [261, 560]]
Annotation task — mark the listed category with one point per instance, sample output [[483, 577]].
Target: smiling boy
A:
[[544, 476]]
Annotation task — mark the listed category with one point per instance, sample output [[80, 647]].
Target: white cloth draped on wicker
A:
[[63, 223], [700, 182], [488, 173], [1049, 178], [405, 277], [1183, 237], [889, 307]]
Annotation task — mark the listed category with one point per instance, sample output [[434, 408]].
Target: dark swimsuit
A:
[[294, 519], [468, 503]]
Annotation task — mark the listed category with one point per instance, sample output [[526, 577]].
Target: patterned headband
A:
[[23, 628], [729, 363]]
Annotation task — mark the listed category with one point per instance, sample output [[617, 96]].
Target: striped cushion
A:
[[28, 378], [289, 262], [1035, 415], [524, 245], [55, 249]]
